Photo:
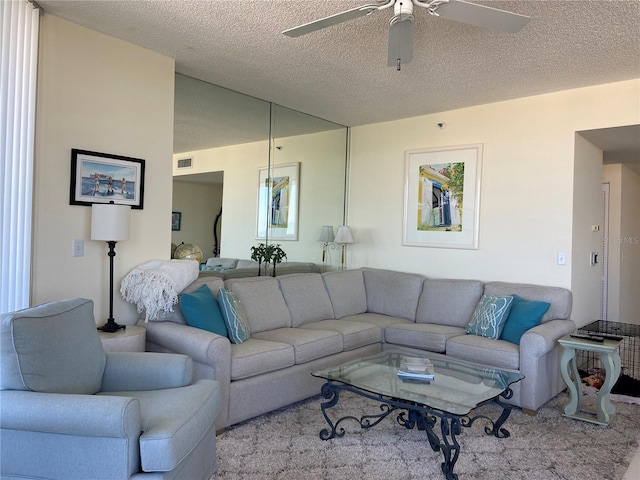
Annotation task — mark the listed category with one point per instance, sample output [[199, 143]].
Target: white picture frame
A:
[[442, 197], [277, 206]]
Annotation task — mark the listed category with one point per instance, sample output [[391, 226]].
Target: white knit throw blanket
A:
[[154, 286]]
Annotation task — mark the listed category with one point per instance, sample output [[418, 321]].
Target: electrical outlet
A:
[[77, 248]]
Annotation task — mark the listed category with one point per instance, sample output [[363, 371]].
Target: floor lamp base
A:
[[111, 326]]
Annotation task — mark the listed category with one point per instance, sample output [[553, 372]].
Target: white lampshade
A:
[[110, 222], [326, 235], [343, 235]]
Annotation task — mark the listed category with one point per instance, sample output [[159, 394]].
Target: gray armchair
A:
[[68, 410]]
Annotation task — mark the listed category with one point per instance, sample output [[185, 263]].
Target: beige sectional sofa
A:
[[304, 322]]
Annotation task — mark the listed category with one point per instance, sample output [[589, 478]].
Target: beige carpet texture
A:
[[285, 444]]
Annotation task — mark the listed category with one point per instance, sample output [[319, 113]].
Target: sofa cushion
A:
[[167, 440], [490, 316], [262, 301], [382, 321], [255, 357], [214, 284], [392, 293], [524, 315], [234, 316], [477, 349], [201, 310], [425, 336], [346, 291], [354, 334], [307, 344], [37, 353], [559, 298], [448, 302], [306, 298]]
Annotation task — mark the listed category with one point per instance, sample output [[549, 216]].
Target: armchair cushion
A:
[[43, 346], [146, 371], [168, 439]]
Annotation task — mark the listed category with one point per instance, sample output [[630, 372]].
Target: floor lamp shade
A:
[[110, 222]]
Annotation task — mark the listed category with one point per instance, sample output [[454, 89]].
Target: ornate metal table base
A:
[[413, 415]]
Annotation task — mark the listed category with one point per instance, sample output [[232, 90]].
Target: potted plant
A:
[[274, 254], [258, 254]]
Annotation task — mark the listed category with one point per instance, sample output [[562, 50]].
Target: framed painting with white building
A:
[[442, 197], [278, 193]]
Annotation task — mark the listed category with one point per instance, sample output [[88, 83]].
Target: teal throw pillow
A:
[[201, 310], [490, 316], [524, 315], [234, 316]]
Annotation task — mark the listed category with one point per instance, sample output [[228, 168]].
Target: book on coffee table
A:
[[416, 368]]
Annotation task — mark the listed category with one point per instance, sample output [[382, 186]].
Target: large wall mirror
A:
[[247, 171]]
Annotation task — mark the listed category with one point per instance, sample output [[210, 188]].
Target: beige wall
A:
[[101, 94], [527, 193], [587, 212], [199, 203], [624, 244]]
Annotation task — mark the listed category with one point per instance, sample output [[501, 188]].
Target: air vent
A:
[[185, 163]]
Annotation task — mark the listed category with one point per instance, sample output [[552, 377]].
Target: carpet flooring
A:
[[284, 444]]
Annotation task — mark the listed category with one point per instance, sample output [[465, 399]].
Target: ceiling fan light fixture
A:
[[400, 42]]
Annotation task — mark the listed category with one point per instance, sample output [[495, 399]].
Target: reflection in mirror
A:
[[218, 130]]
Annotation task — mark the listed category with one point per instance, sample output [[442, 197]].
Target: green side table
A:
[[609, 357]]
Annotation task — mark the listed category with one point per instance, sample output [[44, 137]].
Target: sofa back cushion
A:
[[306, 297], [346, 292], [262, 301], [52, 348], [448, 302], [392, 293], [559, 298]]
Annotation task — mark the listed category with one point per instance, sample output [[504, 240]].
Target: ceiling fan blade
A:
[[400, 43], [482, 16], [331, 20]]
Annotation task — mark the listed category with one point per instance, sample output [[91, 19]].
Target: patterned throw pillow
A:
[[234, 316], [201, 310], [490, 316], [524, 315]]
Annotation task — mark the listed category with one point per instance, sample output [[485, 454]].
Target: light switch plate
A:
[[77, 247]]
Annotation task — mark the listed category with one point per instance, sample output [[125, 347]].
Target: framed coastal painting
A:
[[277, 210], [442, 197], [102, 178], [176, 218]]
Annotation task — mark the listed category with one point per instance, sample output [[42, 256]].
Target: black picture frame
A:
[[103, 178], [176, 218]]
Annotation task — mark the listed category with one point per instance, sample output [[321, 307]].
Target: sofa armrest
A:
[[540, 362], [210, 352], [544, 337], [71, 414], [127, 371]]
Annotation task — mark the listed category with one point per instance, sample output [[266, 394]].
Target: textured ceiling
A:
[[341, 74]]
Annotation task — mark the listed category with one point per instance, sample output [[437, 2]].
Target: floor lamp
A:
[[343, 238], [110, 223]]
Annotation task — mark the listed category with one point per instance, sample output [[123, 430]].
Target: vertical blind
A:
[[19, 55]]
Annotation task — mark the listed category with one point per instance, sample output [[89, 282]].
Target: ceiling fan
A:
[[401, 24]]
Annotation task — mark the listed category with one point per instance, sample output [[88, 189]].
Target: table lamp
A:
[[110, 222], [326, 237], [343, 238]]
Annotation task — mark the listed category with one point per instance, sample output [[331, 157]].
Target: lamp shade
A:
[[326, 235], [343, 235], [110, 222]]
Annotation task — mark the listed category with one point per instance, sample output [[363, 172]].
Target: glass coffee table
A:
[[456, 389]]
